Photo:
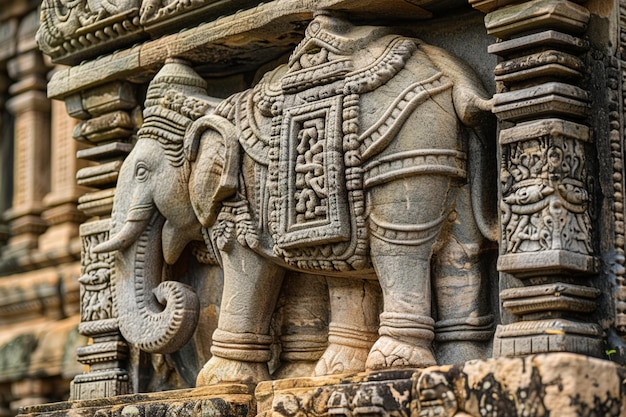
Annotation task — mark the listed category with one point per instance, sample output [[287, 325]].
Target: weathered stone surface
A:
[[200, 165], [226, 400], [540, 385], [537, 386], [344, 102], [537, 14]]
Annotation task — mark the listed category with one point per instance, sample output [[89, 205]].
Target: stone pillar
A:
[[31, 110], [616, 82], [106, 355], [546, 260], [61, 214], [28, 392], [108, 124], [6, 159], [109, 120]]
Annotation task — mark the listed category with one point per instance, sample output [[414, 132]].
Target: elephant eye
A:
[[141, 172]]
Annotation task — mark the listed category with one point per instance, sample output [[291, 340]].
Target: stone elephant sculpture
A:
[[350, 162]]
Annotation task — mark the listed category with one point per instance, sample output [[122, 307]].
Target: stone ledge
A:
[[223, 400], [541, 385], [222, 46]]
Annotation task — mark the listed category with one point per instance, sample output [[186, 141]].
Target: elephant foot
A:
[[221, 370], [338, 359], [391, 353], [460, 351], [296, 369]]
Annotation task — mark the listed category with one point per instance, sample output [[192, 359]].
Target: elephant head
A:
[[159, 207]]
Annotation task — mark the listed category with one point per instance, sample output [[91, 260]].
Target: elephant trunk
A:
[[157, 316]]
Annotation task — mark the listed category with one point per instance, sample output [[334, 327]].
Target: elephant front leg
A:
[[406, 221], [241, 343]]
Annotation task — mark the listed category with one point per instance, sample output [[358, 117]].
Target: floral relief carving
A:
[[96, 296]]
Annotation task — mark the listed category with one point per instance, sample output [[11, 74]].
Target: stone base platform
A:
[[560, 384], [224, 400]]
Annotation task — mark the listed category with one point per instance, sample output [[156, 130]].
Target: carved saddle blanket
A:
[[316, 149]]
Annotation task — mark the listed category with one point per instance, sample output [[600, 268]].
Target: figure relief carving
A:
[[96, 305], [153, 11], [68, 26], [545, 197], [349, 162]]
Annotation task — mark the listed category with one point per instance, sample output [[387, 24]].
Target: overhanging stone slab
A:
[[538, 14], [546, 262]]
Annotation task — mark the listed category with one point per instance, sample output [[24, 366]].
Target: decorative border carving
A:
[[617, 136], [79, 28]]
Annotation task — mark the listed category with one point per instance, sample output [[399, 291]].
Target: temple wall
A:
[[418, 208]]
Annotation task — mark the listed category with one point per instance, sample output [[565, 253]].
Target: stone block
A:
[[549, 39], [546, 262], [552, 128], [541, 385], [537, 15], [550, 99], [549, 335], [221, 401]]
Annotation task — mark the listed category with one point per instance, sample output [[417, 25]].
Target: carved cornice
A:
[[72, 30], [214, 42]]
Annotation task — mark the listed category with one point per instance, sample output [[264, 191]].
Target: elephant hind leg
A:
[[406, 327], [354, 308], [407, 218], [465, 324]]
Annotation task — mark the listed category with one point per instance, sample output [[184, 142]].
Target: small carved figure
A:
[[349, 162]]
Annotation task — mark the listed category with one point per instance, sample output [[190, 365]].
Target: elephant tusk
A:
[[131, 230]]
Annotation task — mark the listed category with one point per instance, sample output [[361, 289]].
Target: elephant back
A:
[[352, 104]]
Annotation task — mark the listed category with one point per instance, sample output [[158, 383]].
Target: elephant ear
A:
[[212, 146]]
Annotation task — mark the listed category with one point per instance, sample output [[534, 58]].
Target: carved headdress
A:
[[176, 97]]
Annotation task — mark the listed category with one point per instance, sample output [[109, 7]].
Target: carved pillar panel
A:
[[108, 123], [107, 353], [616, 78], [6, 158], [31, 110], [545, 194]]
